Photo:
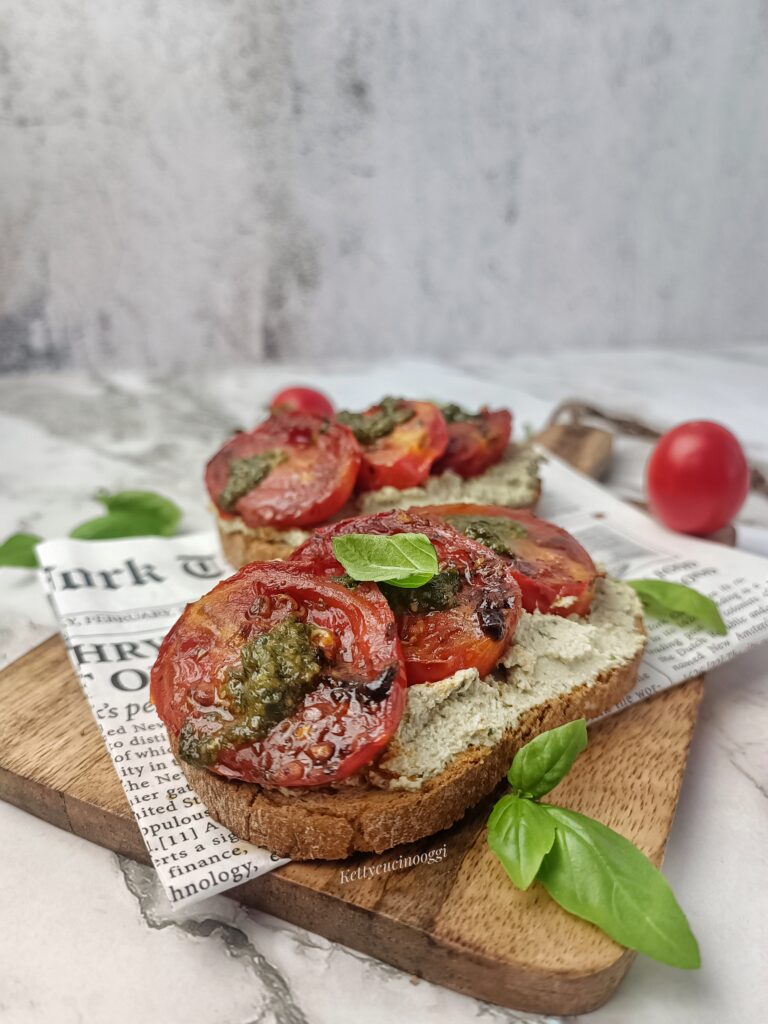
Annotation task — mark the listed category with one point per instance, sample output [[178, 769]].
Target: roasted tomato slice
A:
[[294, 469], [400, 441], [475, 442], [281, 678], [464, 618], [555, 573]]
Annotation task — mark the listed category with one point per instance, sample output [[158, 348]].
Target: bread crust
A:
[[241, 548], [331, 825]]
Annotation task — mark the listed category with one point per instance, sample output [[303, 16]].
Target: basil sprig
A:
[[128, 514], [403, 559], [669, 601], [586, 867]]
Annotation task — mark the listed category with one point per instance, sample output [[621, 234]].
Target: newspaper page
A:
[[115, 601]]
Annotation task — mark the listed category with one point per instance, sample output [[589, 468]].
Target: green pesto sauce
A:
[[497, 533], [438, 595], [369, 427], [453, 413], [277, 670], [346, 581], [245, 474]]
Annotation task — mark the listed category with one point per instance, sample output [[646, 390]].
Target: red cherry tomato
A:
[[697, 477], [478, 626], [315, 472], [475, 443], [302, 400], [340, 725]]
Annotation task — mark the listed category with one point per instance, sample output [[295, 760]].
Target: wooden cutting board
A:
[[456, 921]]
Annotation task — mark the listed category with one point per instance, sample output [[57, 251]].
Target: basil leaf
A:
[[520, 833], [131, 514], [596, 874], [18, 550], [118, 524], [402, 559], [666, 600], [541, 764], [165, 512]]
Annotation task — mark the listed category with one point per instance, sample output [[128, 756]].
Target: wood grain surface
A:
[[457, 921]]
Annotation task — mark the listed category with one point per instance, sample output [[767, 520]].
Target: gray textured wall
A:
[[185, 181]]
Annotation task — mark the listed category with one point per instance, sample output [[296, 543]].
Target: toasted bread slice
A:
[[327, 824], [256, 545], [513, 482]]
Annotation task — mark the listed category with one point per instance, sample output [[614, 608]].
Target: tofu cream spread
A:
[[513, 482], [550, 656]]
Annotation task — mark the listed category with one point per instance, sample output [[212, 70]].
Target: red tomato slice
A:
[[342, 723], [316, 466], [475, 443], [402, 457], [549, 564], [478, 626]]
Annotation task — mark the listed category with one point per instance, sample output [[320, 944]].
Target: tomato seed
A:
[[321, 751]]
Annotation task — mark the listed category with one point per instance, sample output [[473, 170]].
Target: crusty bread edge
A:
[[323, 825], [241, 548]]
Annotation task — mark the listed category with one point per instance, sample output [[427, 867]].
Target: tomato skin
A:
[[205, 642], [404, 457], [313, 483], [475, 633], [697, 477], [299, 399], [476, 444], [548, 563]]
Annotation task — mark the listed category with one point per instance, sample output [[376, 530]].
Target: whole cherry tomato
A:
[[302, 400], [697, 477]]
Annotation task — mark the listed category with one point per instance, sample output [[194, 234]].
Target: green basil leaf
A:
[[596, 874], [115, 525], [18, 550], [541, 764], [402, 559], [520, 833], [667, 600], [165, 512], [131, 514]]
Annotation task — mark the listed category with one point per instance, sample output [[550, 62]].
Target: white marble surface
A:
[[86, 936], [182, 182]]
